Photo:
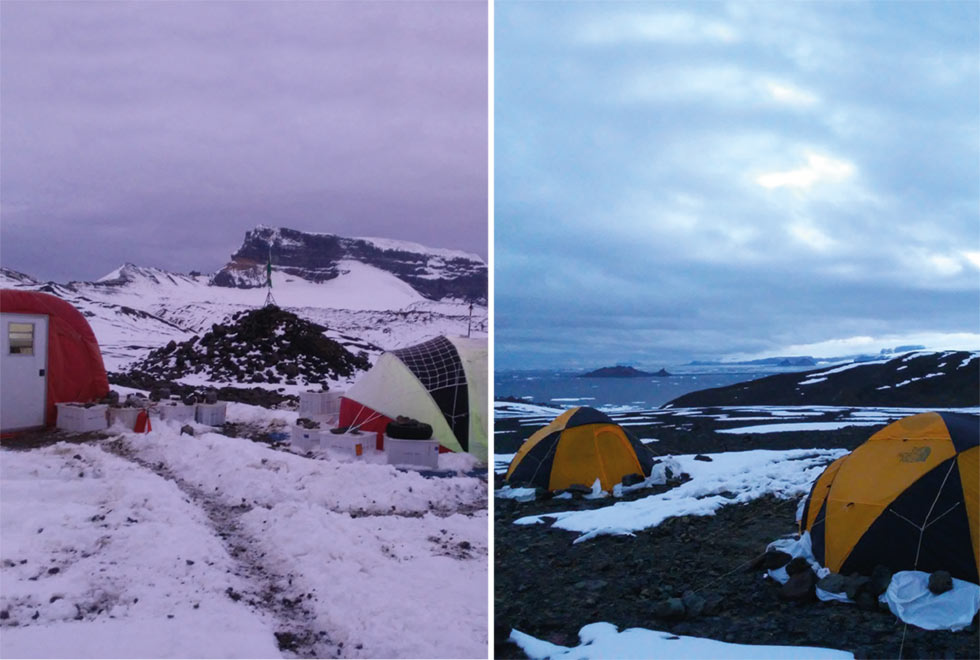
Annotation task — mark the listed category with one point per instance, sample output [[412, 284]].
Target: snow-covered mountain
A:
[[432, 273], [135, 309]]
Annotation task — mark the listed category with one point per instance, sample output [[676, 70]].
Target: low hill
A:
[[950, 379], [621, 372]]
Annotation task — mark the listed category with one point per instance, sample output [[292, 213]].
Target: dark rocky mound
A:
[[267, 345], [941, 380], [621, 372]]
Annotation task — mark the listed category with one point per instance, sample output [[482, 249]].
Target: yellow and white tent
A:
[[442, 382]]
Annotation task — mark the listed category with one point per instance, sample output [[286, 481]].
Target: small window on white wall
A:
[[21, 338]]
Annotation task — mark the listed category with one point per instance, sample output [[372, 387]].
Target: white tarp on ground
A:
[[909, 599], [602, 640], [907, 596]]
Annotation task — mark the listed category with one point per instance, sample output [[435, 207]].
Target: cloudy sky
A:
[[159, 132], [705, 180]]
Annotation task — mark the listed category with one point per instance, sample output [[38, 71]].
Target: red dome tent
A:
[[49, 355]]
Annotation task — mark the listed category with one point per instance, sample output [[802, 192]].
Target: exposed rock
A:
[[833, 583], [256, 346], [702, 457], [776, 559], [632, 479], [881, 577], [694, 604], [800, 587], [940, 582], [435, 274], [671, 608], [855, 584], [797, 565]]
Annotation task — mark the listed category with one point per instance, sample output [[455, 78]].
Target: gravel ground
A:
[[550, 588]]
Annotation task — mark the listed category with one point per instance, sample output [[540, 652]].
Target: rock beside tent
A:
[[267, 345]]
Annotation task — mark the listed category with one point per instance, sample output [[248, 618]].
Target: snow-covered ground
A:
[[603, 640], [169, 545], [728, 478]]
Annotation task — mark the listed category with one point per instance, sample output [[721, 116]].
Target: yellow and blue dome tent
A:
[[578, 447], [908, 498]]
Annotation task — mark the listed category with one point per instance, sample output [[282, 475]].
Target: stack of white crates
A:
[[125, 416], [212, 414], [75, 417], [420, 453], [176, 410], [304, 439], [354, 444], [320, 406]]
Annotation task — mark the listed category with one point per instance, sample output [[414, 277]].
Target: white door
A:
[[23, 370]]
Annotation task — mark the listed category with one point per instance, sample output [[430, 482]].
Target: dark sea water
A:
[[568, 389]]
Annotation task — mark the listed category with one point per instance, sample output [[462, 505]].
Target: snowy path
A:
[[263, 589], [316, 558]]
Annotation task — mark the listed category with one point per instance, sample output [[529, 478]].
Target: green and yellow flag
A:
[[268, 270]]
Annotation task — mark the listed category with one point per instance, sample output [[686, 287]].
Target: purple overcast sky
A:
[[158, 133]]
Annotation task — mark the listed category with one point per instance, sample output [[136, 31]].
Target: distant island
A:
[[622, 372]]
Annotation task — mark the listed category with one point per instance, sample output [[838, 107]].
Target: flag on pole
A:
[[268, 270]]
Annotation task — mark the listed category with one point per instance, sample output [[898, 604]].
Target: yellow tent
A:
[[578, 447], [908, 498]]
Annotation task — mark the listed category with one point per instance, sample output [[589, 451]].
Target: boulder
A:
[[797, 565], [633, 479], [776, 559], [800, 587], [694, 605], [833, 583], [940, 582], [881, 577], [855, 584], [672, 608]]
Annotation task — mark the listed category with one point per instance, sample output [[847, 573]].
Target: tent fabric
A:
[[75, 370], [907, 498], [441, 382], [578, 447]]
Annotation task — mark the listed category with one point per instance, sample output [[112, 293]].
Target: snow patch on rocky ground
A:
[[728, 478]]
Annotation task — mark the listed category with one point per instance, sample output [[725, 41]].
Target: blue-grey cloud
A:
[[160, 132], [678, 180]]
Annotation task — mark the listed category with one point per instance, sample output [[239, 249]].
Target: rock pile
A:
[[267, 345]]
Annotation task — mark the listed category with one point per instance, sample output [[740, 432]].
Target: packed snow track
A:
[[168, 545]]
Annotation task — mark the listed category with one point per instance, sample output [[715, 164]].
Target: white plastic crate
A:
[[212, 414], [176, 411], [75, 417], [315, 405], [348, 443], [423, 453], [304, 439], [125, 416]]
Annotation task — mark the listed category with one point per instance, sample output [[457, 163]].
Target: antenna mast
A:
[[269, 300]]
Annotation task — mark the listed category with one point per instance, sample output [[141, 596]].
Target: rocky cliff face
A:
[[436, 274]]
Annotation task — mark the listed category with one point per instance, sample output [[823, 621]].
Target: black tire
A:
[[409, 431]]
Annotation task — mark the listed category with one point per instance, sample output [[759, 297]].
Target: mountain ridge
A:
[[919, 379]]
